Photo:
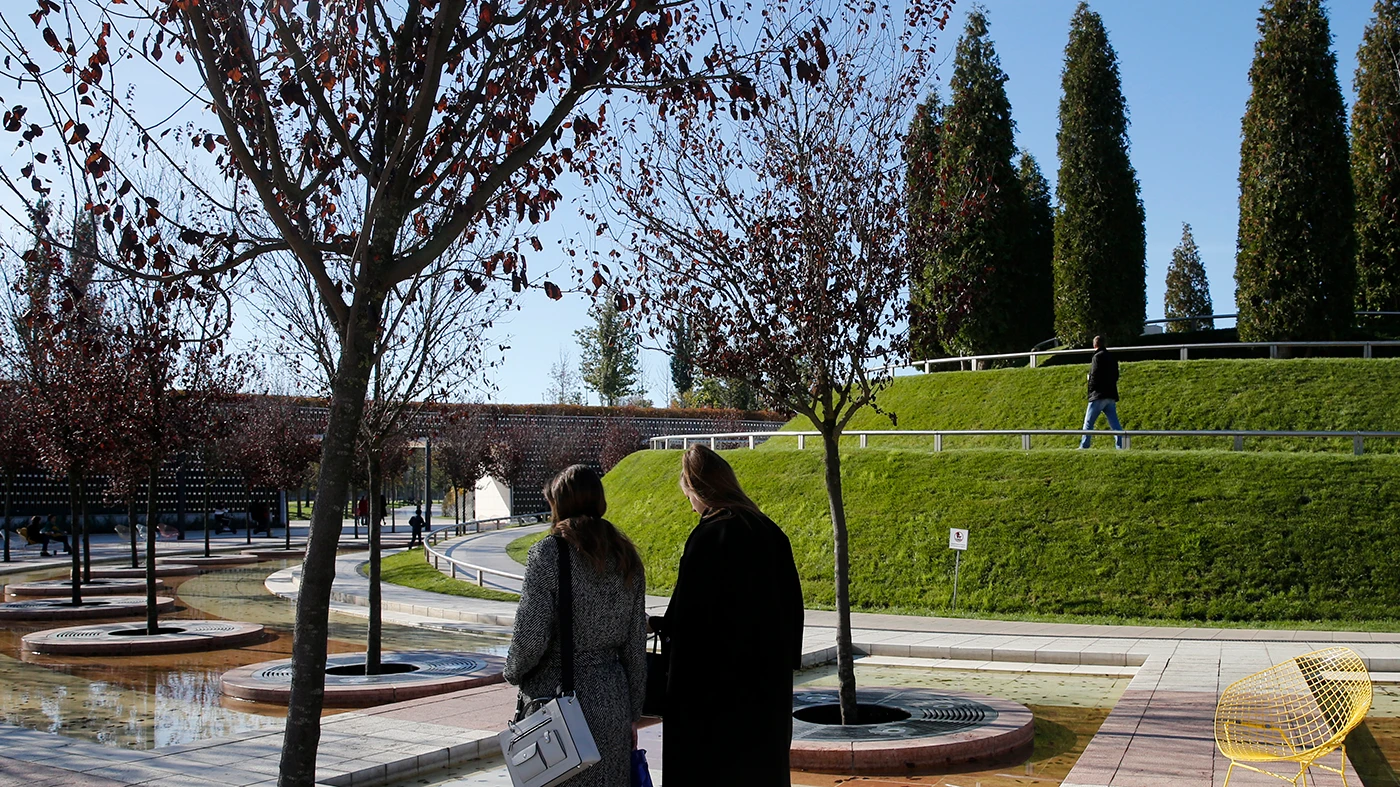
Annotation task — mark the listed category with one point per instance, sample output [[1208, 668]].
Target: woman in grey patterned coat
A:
[[609, 623]]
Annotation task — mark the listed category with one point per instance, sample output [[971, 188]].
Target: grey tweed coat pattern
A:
[[609, 653]]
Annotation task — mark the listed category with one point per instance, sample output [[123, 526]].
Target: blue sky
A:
[[1185, 67]]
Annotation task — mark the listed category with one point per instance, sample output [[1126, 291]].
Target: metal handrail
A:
[[1184, 351], [476, 526], [1358, 438]]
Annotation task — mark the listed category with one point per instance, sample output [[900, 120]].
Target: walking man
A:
[[416, 523], [1103, 392]]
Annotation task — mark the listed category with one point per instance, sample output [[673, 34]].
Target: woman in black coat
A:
[[733, 631]]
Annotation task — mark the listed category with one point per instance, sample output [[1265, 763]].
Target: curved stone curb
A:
[[276, 554], [64, 587], [945, 728], [109, 639], [52, 609], [162, 570], [434, 673], [212, 560]]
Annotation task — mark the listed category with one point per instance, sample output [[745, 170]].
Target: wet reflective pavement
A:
[[155, 701]]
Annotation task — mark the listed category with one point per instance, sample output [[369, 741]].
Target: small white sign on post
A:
[[957, 539]]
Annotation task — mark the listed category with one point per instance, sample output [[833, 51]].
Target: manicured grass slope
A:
[[408, 568], [1194, 535], [1301, 394]]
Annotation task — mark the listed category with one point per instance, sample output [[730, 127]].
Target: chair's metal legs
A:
[[1229, 771]]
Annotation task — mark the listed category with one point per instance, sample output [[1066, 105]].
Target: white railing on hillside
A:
[[1237, 436], [437, 535], [975, 362]]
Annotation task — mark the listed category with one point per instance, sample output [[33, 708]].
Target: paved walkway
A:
[[1159, 732]]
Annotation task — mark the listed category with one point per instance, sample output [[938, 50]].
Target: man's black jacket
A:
[[1103, 377]]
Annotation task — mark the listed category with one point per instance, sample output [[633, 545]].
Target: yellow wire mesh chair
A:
[[1297, 711]]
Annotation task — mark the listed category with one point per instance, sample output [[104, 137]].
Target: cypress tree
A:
[[682, 357], [921, 148], [1295, 269], [1188, 291], [974, 281], [1100, 238], [1038, 254], [1375, 162], [610, 350]]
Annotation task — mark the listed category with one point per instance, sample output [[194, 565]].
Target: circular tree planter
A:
[[213, 561], [405, 675], [54, 609], [277, 554], [131, 639], [906, 730], [162, 570], [64, 587]]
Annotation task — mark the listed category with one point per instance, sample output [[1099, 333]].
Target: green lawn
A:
[[519, 549], [408, 568], [1346, 394], [1154, 535]]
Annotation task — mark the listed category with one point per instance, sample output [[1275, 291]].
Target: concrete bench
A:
[[1296, 712]]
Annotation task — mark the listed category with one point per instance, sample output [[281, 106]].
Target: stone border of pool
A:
[[129, 639], [430, 673], [64, 587], [56, 609], [898, 748], [162, 570]]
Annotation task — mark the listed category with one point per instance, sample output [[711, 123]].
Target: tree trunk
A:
[[206, 509], [247, 512], [845, 660], [152, 528], [376, 615], [74, 507], [303, 732], [82, 515], [131, 528], [284, 512], [9, 493]]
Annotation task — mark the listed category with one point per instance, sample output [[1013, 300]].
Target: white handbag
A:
[[553, 744]]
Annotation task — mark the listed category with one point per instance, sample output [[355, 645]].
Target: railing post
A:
[[1239, 442], [862, 441], [454, 570], [1273, 351], [1184, 353], [1025, 442], [480, 578], [750, 442], [1127, 442], [938, 442], [1033, 357], [1356, 447], [928, 367], [801, 441], [712, 443], [1366, 350]]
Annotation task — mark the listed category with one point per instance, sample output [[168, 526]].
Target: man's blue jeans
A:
[[1091, 417]]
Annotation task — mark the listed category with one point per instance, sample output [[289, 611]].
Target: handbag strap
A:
[[565, 608]]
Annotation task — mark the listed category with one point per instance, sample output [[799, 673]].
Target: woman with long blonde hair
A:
[[608, 589], [733, 633]]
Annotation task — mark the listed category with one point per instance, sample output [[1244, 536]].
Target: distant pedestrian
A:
[[362, 511], [51, 531], [416, 523], [1103, 392], [222, 524]]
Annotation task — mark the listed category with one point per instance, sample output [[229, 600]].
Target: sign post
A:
[[957, 541]]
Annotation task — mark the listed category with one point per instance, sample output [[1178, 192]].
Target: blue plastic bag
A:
[[641, 774]]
